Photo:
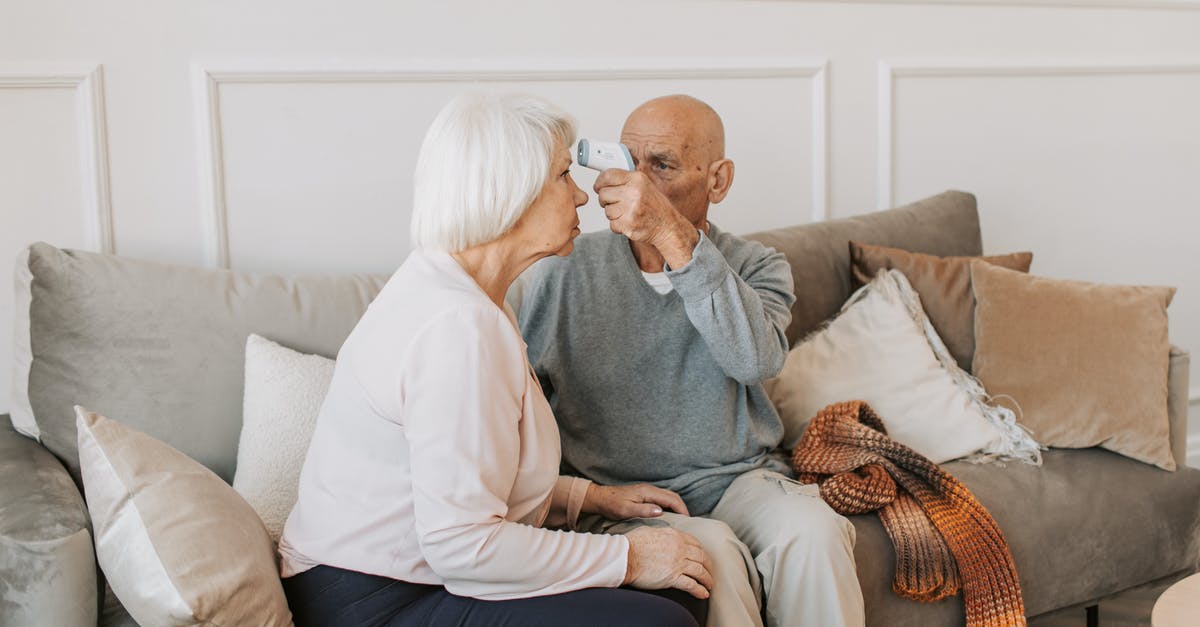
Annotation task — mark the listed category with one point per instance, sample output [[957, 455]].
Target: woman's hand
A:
[[641, 500], [661, 557]]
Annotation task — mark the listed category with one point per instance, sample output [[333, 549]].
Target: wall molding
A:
[[209, 77], [91, 125], [1156, 5], [891, 70]]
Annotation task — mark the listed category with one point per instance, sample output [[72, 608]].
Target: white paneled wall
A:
[[299, 151], [53, 171], [280, 136]]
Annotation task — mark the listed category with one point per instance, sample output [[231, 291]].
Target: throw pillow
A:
[[944, 284], [158, 344], [881, 349], [176, 543], [284, 392], [1085, 363]]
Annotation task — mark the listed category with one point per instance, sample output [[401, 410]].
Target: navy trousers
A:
[[325, 596]]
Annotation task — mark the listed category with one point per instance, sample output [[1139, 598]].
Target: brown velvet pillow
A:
[[1086, 363], [943, 283]]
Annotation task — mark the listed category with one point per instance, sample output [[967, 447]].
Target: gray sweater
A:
[[665, 389]]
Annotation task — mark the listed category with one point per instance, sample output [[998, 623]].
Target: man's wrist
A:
[[679, 242]]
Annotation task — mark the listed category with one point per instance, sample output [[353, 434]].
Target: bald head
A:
[[678, 142], [688, 119]]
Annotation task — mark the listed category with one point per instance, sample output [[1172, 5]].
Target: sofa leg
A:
[[1093, 616]]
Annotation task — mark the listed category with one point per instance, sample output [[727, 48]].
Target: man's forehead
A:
[[658, 119], [654, 142], [656, 135], [669, 125]]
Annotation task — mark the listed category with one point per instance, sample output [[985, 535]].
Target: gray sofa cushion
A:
[[1086, 524], [163, 346], [944, 225], [47, 568]]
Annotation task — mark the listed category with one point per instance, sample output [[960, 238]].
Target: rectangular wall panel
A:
[[41, 186], [317, 175], [1092, 167]]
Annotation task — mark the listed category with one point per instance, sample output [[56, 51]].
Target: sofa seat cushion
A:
[[1087, 523]]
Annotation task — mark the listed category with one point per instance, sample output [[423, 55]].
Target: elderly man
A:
[[652, 342]]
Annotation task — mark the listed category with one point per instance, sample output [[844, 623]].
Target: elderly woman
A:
[[431, 494]]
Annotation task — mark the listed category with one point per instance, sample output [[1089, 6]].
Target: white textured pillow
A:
[[283, 395], [177, 544], [882, 349]]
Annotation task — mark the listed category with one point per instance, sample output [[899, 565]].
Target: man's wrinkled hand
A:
[[638, 210], [631, 501]]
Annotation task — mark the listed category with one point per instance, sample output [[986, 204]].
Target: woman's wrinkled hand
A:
[[640, 500], [661, 557]]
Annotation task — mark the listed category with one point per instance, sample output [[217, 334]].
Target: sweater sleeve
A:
[[743, 318], [462, 393]]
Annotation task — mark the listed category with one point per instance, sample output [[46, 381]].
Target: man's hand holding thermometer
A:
[[634, 206]]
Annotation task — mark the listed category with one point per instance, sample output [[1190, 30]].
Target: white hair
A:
[[483, 162]]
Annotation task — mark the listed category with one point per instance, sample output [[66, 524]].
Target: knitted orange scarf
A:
[[944, 539]]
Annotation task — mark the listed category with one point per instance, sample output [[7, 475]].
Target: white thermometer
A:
[[603, 155]]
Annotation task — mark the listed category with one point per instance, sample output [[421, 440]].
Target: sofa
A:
[[161, 347]]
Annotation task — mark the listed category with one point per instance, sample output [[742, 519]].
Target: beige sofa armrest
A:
[[1177, 403], [47, 562]]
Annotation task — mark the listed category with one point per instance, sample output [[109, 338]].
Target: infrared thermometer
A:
[[602, 156]]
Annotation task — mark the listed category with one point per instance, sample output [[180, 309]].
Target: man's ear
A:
[[720, 179]]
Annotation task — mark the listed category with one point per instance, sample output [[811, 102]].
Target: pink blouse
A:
[[435, 456]]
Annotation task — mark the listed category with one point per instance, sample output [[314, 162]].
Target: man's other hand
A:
[[640, 500]]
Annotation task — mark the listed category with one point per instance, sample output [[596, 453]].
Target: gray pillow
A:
[[160, 345]]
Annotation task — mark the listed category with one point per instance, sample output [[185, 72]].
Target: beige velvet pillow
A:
[[1086, 363], [177, 544], [944, 284]]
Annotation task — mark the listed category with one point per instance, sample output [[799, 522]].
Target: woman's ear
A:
[[720, 179]]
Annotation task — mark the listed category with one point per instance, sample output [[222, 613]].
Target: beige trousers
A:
[[803, 549], [770, 538]]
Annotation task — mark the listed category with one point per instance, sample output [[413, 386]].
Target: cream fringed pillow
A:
[[883, 350], [1085, 363], [283, 395], [176, 543]]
